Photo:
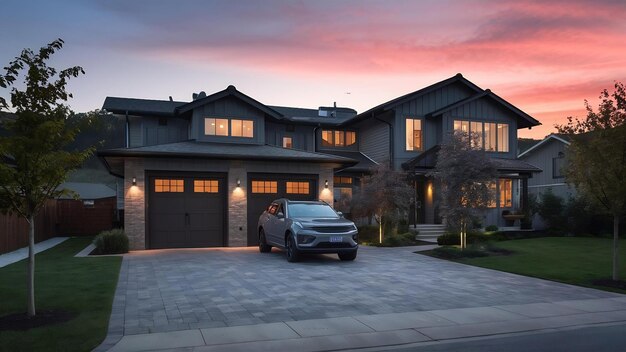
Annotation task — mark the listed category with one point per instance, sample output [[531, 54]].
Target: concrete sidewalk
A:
[[22, 253], [385, 329]]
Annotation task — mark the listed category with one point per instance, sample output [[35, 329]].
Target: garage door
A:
[[264, 188], [186, 210]]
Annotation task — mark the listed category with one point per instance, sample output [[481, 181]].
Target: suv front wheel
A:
[[293, 254]]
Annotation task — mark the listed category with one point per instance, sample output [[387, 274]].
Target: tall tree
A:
[[384, 194], [597, 157], [37, 140], [466, 175]]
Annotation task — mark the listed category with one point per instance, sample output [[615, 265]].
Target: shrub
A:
[[111, 242], [368, 234], [491, 228], [551, 209], [453, 239], [403, 226], [399, 240]]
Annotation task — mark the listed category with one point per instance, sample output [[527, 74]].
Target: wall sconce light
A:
[[238, 183], [134, 181], [326, 184]]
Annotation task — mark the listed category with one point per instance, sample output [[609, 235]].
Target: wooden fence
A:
[[14, 229]]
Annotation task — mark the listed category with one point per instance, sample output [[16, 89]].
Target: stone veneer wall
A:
[[237, 205], [134, 203]]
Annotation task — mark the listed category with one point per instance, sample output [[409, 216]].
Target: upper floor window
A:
[[490, 136], [287, 142], [220, 127], [413, 134], [558, 164], [332, 138]]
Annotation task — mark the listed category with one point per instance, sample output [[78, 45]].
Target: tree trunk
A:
[[615, 247], [31, 266]]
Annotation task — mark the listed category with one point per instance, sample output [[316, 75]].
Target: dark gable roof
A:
[[230, 91], [524, 120], [141, 106], [209, 150], [87, 190], [428, 159], [397, 101], [365, 163], [311, 116], [563, 138]]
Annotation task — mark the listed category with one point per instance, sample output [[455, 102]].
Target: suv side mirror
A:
[[340, 214], [280, 215]]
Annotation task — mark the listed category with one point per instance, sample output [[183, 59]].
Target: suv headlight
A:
[[305, 239], [298, 223]]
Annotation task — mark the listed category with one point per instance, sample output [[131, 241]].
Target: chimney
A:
[[335, 104], [171, 98]]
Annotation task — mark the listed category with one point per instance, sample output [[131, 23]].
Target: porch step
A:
[[428, 232]]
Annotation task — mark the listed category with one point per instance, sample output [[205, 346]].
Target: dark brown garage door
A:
[[264, 188], [186, 210]]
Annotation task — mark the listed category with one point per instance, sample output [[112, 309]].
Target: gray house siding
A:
[[302, 136], [146, 130], [542, 158], [228, 107], [373, 139], [431, 128]]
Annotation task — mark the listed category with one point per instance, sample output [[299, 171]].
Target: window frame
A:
[[412, 135], [298, 187], [557, 174], [230, 128], [288, 145], [491, 136], [338, 138]]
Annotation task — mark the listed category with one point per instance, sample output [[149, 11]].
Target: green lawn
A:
[[573, 260], [84, 286]]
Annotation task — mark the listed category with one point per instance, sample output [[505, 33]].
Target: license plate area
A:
[[335, 239]]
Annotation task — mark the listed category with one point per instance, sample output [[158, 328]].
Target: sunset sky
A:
[[545, 57]]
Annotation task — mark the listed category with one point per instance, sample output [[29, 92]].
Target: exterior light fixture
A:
[[238, 182], [326, 184], [134, 181]]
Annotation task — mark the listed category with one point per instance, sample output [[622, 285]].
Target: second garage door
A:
[[186, 210], [264, 188]]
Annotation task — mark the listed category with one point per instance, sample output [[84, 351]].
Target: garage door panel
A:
[[187, 213]]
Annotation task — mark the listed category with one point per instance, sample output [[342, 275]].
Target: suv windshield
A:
[[311, 210]]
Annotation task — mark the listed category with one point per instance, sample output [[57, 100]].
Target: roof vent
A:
[[322, 112], [200, 95], [171, 98]]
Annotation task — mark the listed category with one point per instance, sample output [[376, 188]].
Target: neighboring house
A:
[[549, 155], [199, 173], [88, 211]]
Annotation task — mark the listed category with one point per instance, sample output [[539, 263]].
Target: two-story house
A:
[[200, 173]]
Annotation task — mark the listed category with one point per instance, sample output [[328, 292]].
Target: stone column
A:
[[237, 205], [134, 203]]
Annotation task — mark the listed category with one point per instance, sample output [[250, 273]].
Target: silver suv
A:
[[306, 227]]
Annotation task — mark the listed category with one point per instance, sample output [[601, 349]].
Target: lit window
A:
[[287, 142], [503, 137], [331, 138], [413, 134], [506, 193], [327, 138], [492, 188], [490, 136], [462, 126], [169, 185], [264, 187], [342, 180], [219, 127], [297, 187], [476, 129], [205, 186]]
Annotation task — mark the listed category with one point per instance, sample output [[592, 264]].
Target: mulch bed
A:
[[621, 284], [21, 321]]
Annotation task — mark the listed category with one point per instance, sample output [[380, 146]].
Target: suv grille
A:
[[333, 245], [333, 229]]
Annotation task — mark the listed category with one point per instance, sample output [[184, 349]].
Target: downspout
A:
[[127, 131], [390, 140], [315, 137]]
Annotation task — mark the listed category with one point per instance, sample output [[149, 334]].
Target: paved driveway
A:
[[166, 290]]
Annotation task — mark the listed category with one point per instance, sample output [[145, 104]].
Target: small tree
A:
[[385, 194], [551, 208], [37, 137], [597, 157], [466, 174]]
